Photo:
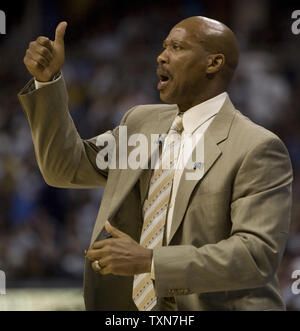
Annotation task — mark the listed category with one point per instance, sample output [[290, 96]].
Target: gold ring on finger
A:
[[97, 265]]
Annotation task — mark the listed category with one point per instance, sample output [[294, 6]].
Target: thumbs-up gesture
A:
[[44, 58]]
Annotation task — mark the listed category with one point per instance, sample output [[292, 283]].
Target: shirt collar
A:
[[199, 114]]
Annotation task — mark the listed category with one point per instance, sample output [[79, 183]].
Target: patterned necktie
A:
[[155, 212]]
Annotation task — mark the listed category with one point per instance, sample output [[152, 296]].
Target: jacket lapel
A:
[[128, 177], [216, 133], [158, 123]]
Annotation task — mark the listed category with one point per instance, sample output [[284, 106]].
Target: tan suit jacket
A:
[[229, 228]]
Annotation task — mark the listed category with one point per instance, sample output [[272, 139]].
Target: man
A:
[[210, 243]]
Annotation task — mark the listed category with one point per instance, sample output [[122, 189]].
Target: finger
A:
[[42, 51], [105, 266], [45, 42], [31, 63], [105, 270], [100, 267], [60, 32], [102, 243], [114, 231], [38, 58], [96, 254]]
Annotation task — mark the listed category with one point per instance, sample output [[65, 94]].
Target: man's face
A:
[[181, 68]]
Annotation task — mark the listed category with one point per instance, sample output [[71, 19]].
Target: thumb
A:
[[114, 231], [60, 32]]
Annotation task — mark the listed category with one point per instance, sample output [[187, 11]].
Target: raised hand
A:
[[44, 58]]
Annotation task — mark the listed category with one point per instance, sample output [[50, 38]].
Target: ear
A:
[[214, 63]]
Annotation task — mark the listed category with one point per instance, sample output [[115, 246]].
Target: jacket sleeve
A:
[[250, 256], [65, 160]]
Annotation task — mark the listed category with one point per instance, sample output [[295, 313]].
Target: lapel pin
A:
[[198, 165]]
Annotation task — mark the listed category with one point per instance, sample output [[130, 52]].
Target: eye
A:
[[176, 47]]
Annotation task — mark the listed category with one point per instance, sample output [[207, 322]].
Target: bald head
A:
[[198, 61], [216, 38]]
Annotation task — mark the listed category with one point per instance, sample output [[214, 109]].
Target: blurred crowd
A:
[[111, 61]]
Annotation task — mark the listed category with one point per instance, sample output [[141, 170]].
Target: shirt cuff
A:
[[38, 84], [152, 269]]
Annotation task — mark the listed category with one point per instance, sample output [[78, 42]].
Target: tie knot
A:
[[177, 124]]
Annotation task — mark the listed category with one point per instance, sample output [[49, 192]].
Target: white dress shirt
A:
[[195, 122]]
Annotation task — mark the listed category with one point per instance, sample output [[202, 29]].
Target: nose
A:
[[163, 57]]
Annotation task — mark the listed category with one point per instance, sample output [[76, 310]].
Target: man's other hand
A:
[[44, 58], [119, 255]]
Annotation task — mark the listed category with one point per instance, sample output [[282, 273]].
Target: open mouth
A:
[[164, 78], [163, 81]]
